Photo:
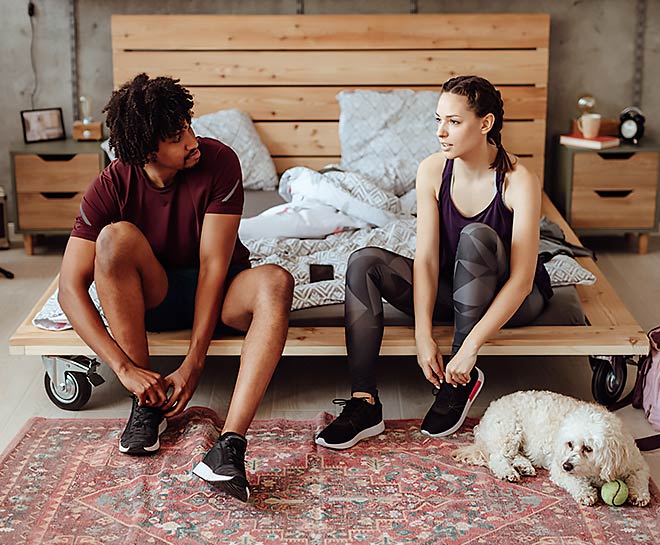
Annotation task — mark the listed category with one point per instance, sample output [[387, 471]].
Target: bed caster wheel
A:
[[71, 395], [609, 378]]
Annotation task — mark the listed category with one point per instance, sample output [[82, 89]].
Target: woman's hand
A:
[[430, 360], [458, 369]]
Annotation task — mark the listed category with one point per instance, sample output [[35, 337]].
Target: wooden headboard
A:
[[285, 70]]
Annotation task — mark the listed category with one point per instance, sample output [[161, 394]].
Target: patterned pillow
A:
[[235, 128], [385, 135], [565, 271]]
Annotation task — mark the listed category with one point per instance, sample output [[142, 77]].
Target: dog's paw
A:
[[523, 466], [587, 497], [639, 500], [512, 476]]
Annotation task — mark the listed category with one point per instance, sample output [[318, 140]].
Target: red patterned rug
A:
[[63, 482]]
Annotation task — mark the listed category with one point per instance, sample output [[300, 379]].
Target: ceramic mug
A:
[[589, 125]]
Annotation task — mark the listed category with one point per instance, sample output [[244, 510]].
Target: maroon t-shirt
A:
[[170, 217]]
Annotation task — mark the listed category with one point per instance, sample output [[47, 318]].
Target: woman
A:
[[478, 215]]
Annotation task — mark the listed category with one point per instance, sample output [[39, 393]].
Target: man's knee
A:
[[276, 284], [116, 243]]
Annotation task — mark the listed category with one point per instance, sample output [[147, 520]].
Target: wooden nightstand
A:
[[612, 191], [48, 181]]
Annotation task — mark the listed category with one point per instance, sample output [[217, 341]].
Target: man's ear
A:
[[487, 123]]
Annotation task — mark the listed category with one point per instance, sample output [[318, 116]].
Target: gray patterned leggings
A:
[[373, 274]]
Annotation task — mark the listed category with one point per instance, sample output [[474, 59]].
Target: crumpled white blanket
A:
[[319, 204]]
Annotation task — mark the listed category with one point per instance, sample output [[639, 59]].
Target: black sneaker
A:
[[224, 466], [358, 420], [142, 430], [451, 406]]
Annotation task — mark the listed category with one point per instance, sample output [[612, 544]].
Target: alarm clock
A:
[[631, 125]]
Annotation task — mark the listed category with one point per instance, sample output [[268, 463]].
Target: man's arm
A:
[[219, 232], [76, 275]]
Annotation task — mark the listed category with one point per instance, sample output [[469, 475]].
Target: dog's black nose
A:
[[567, 466]]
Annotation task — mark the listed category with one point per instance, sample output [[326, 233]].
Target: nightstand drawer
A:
[[52, 173], [602, 207], [615, 171], [48, 210]]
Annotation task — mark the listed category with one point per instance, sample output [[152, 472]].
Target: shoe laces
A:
[[232, 453], [143, 421], [352, 407]]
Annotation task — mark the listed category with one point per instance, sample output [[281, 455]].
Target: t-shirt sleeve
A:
[[227, 194], [98, 208]]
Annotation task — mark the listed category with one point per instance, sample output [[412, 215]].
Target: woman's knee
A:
[[362, 261], [477, 237]]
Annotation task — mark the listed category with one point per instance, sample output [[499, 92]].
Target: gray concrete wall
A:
[[591, 51]]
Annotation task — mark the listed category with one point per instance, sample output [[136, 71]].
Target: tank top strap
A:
[[447, 171], [499, 182]]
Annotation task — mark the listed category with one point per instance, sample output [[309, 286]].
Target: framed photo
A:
[[42, 125]]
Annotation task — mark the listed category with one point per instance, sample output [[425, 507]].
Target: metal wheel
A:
[[609, 379], [73, 395]]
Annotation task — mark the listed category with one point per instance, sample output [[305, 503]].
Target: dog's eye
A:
[[569, 444], [587, 449]]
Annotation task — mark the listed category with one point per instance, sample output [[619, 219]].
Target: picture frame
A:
[[42, 125]]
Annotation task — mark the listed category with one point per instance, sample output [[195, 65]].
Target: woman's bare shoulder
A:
[[430, 170]]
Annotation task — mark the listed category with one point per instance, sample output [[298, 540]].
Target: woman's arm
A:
[[523, 195], [426, 266]]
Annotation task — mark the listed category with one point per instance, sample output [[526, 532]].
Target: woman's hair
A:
[[483, 99], [142, 113]]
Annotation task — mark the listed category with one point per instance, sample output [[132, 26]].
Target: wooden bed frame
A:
[[285, 71]]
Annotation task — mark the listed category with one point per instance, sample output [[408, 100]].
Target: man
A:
[[157, 232]]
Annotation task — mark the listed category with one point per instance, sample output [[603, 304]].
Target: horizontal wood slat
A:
[[308, 138], [387, 31], [397, 341], [346, 68], [315, 163], [534, 164], [320, 103]]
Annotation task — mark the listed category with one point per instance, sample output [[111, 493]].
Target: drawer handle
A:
[[57, 157], [616, 156], [613, 193], [59, 194]]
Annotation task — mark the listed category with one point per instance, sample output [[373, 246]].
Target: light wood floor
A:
[[302, 386]]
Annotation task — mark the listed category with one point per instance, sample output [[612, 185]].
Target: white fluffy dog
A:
[[582, 444]]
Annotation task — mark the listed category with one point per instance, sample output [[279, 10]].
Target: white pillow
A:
[[235, 128], [385, 135], [565, 271]]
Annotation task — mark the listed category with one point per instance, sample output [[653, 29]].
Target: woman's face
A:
[[459, 129]]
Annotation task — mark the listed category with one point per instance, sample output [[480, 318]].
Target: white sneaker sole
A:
[[205, 472], [473, 395], [364, 434], [153, 448]]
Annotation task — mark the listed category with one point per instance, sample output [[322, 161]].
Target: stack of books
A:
[[599, 142]]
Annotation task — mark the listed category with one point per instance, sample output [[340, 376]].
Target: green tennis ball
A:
[[614, 493]]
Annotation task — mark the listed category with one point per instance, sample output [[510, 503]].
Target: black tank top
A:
[[496, 215]]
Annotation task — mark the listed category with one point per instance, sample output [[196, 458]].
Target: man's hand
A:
[[183, 382], [458, 369], [148, 386], [430, 360]]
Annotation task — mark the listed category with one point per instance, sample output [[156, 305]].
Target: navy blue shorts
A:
[[177, 310]]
